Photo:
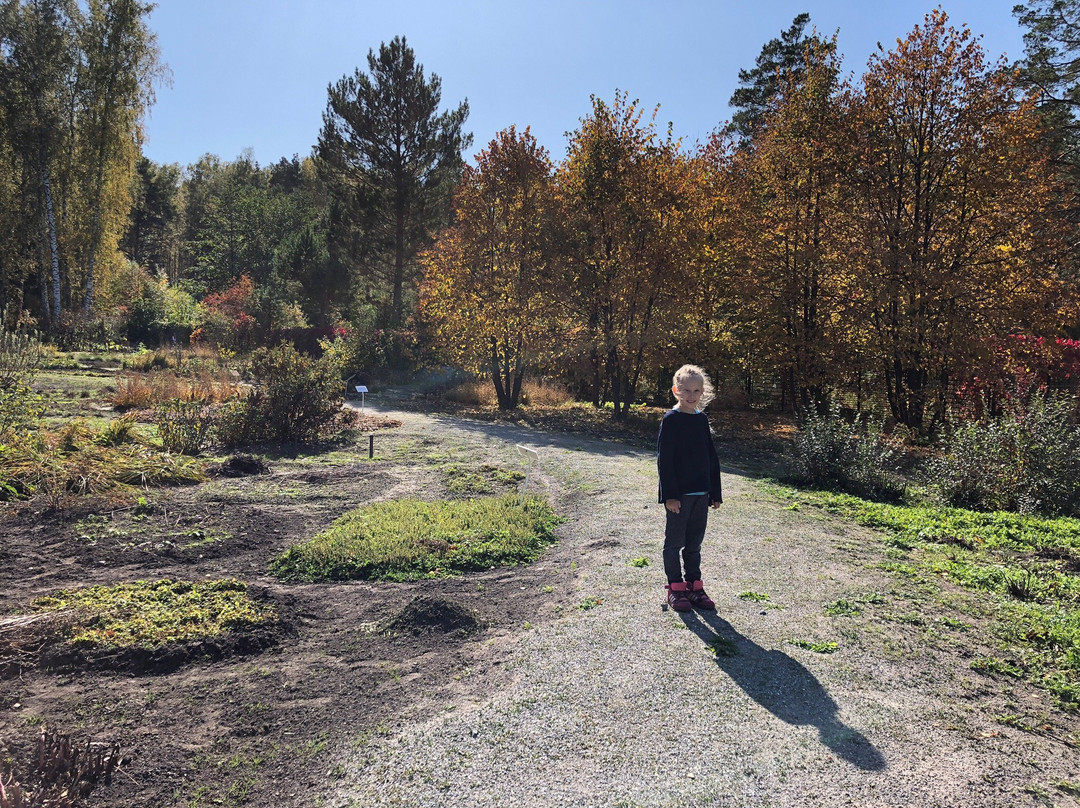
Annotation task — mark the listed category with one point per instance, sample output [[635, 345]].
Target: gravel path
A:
[[625, 704]]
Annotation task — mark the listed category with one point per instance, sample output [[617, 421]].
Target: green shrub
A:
[[146, 360], [852, 457], [1023, 460], [118, 432], [409, 539], [296, 399], [185, 427], [20, 409], [20, 357], [20, 406]]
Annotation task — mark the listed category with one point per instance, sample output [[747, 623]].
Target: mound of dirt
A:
[[21, 639], [429, 615], [241, 465], [363, 422], [161, 659]]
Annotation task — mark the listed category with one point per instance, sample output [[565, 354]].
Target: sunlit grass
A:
[[1028, 565], [410, 539]]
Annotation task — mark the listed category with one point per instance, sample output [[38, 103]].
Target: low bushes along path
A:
[[558, 684]]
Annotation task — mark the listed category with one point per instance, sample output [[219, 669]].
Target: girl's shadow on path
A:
[[784, 687]]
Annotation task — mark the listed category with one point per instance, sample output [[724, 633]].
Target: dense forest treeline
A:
[[893, 240]]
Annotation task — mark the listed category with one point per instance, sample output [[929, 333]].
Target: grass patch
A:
[[467, 482], [759, 597], [1029, 566], [134, 390], [640, 561], [76, 460], [150, 614], [405, 540]]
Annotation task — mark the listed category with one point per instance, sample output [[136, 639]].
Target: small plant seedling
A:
[[910, 619], [757, 597], [953, 623], [590, 602], [996, 665], [822, 647], [842, 608], [641, 561], [722, 647], [1072, 789]]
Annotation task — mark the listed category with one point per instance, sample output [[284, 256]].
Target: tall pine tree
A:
[[391, 160]]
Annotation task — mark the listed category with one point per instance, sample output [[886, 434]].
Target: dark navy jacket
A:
[[686, 457]]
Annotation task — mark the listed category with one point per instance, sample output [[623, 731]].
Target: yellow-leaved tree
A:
[[485, 287], [954, 237], [629, 226], [788, 192]]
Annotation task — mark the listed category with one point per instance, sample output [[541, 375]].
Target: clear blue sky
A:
[[254, 73]]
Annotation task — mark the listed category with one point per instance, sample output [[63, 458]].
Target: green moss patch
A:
[[152, 614], [405, 540]]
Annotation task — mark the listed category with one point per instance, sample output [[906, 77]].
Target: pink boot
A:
[[677, 596], [696, 595]]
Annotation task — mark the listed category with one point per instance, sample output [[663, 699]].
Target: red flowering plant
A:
[[1013, 369], [228, 320]]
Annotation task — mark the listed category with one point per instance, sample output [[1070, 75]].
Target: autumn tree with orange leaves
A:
[[625, 196], [955, 241], [485, 289], [787, 193]]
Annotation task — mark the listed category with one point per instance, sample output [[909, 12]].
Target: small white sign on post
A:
[[533, 459], [362, 390]]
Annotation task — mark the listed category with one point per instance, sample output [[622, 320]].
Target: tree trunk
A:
[[615, 375], [399, 266], [88, 292], [515, 390], [501, 391], [43, 286], [594, 360], [54, 252]]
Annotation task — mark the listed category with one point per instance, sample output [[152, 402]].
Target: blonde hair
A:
[[695, 372]]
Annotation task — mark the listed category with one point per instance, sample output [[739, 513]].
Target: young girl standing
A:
[[689, 484]]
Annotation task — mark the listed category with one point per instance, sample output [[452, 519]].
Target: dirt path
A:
[[624, 704]]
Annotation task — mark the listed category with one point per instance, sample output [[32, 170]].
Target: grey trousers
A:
[[683, 535]]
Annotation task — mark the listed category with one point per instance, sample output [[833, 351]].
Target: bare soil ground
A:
[[245, 720], [317, 710]]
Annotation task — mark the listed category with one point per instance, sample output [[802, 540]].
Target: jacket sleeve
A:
[[665, 461], [716, 493]]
